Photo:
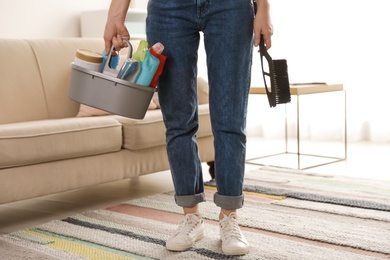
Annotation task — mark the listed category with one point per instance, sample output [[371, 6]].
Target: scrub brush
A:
[[278, 75], [278, 78]]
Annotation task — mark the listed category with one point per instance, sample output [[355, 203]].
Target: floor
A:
[[365, 160]]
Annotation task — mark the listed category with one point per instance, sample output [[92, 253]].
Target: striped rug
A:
[[278, 226]]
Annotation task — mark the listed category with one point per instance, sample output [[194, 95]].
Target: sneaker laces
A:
[[188, 224], [230, 228]]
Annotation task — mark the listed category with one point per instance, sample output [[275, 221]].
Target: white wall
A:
[[47, 18]]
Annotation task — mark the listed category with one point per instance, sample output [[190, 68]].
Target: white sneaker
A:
[[233, 241], [190, 230]]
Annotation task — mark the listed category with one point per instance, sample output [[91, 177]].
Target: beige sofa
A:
[[46, 149]]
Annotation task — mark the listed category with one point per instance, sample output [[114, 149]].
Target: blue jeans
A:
[[228, 36]]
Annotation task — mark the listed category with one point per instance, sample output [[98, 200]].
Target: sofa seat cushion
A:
[[150, 132], [49, 140]]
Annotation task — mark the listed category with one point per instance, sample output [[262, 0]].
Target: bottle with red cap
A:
[[156, 51], [150, 64]]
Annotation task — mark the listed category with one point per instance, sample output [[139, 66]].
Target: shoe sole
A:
[[242, 251], [179, 248]]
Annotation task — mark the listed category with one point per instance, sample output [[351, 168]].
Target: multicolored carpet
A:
[[287, 215]]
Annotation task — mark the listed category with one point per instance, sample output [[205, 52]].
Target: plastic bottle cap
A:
[[158, 47], [90, 56]]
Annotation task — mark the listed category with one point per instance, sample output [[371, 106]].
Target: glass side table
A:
[[330, 98]]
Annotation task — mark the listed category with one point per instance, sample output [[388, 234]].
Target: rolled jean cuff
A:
[[190, 201], [229, 202]]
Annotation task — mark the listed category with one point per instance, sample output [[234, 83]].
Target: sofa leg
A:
[[211, 169]]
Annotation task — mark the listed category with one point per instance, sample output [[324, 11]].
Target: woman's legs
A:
[[174, 23], [228, 30], [228, 43], [228, 37]]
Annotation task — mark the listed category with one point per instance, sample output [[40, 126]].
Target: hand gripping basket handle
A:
[[107, 69]]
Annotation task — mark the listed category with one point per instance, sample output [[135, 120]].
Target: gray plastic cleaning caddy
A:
[[108, 93]]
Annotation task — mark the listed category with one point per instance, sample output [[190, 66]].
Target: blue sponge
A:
[[114, 61]]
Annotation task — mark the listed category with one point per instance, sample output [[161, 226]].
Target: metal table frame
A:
[[298, 90]]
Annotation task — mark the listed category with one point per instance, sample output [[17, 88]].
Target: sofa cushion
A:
[[22, 97], [49, 140], [203, 90], [91, 111], [150, 132], [54, 56]]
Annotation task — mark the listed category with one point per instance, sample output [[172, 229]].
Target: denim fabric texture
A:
[[227, 26]]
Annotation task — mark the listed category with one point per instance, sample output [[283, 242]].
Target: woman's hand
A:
[[114, 34], [115, 30], [262, 24]]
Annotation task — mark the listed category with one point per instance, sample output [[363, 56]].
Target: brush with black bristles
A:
[[278, 77]]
